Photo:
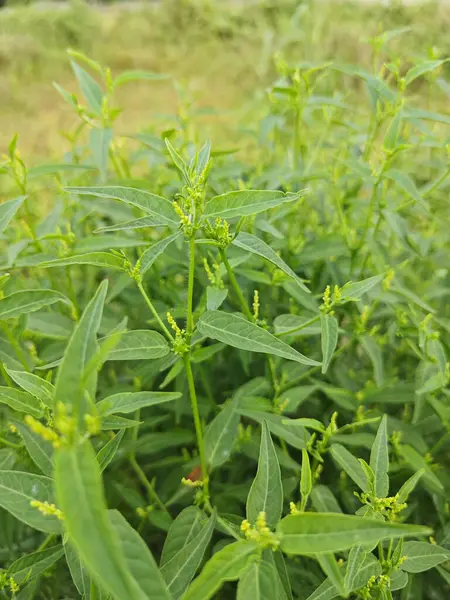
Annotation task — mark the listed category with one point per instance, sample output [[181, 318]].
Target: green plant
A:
[[274, 331]]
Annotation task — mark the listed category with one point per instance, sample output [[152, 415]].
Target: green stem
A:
[[190, 293], [154, 312], [9, 444], [46, 542], [93, 591], [234, 283], [151, 492], [17, 349], [197, 422], [300, 327]]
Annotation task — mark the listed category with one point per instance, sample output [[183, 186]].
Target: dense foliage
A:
[[217, 369]]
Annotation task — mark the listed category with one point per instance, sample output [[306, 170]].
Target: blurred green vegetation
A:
[[218, 53]]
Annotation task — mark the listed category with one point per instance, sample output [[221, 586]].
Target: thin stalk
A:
[[17, 349], [235, 285], [93, 591], [9, 444], [154, 312], [46, 542], [197, 422], [151, 492], [188, 368], [300, 327]]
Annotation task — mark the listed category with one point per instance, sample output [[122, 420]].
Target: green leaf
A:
[[27, 301], [139, 559], [40, 388], [100, 141], [140, 345], [183, 530], [96, 259], [127, 402], [330, 329], [315, 533], [106, 454], [181, 568], [354, 291], [89, 87], [236, 331], [350, 465], [18, 490], [355, 561], [178, 161], [379, 460], [220, 436], [40, 451], [266, 492], [141, 223], [227, 564], [215, 297], [374, 353], [421, 69], [247, 202], [392, 134], [421, 556], [32, 565], [127, 76], [152, 253], [7, 210], [77, 570], [20, 401], [323, 499], [153, 205], [287, 429], [80, 495], [259, 582], [330, 567], [405, 183], [409, 486], [251, 243], [82, 346], [306, 480]]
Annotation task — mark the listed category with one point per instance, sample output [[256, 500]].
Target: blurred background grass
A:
[[219, 54]]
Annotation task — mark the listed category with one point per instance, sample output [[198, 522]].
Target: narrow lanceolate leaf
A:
[[421, 556], [140, 345], [27, 301], [100, 141], [153, 205], [220, 435], [139, 559], [215, 297], [32, 565], [183, 530], [40, 451], [350, 465], [152, 253], [236, 331], [141, 223], [78, 571], [40, 388], [89, 87], [20, 401], [96, 259], [409, 486], [127, 402], [374, 353], [107, 453], [7, 210], [314, 533], [17, 492], [330, 327], [421, 69], [406, 184], [80, 495], [259, 582], [355, 561], [355, 290], [81, 348], [266, 493], [247, 202], [392, 135], [127, 76], [379, 460], [251, 243], [181, 568], [330, 567], [226, 565]]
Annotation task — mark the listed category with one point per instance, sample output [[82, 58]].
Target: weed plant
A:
[[226, 377]]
